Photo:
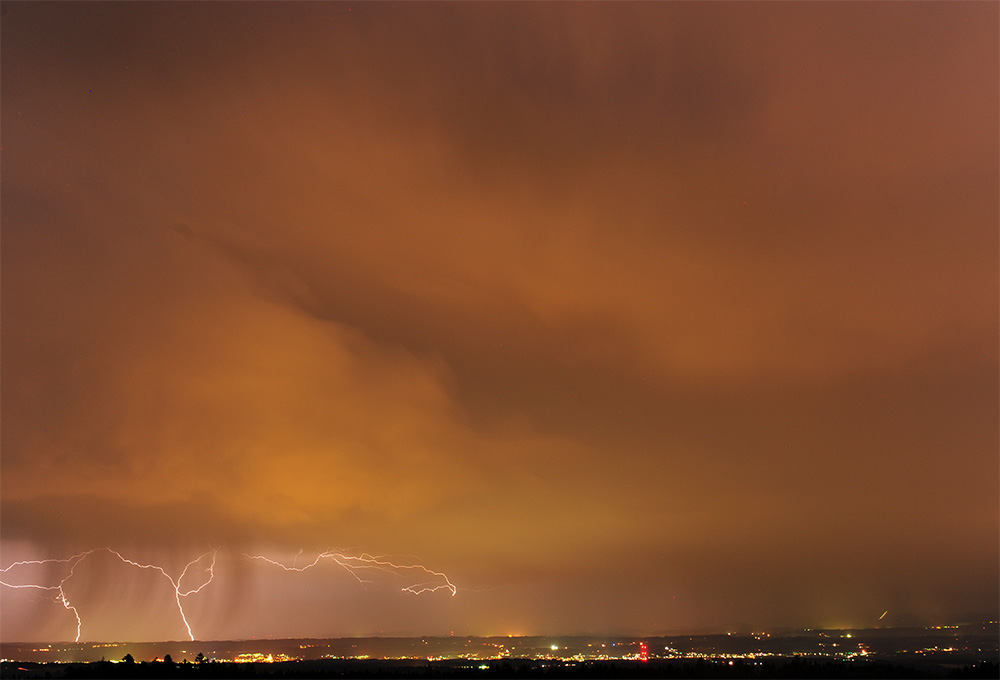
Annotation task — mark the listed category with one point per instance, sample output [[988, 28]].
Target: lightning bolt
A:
[[358, 565], [200, 572], [58, 588], [176, 583], [74, 561]]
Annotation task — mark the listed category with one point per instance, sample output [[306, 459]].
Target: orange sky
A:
[[629, 317]]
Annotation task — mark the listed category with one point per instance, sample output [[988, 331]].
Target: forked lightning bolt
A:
[[177, 583], [74, 561], [356, 565], [60, 593]]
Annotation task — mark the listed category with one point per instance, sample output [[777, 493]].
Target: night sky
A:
[[627, 317]]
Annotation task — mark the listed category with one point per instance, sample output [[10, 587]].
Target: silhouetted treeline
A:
[[514, 669]]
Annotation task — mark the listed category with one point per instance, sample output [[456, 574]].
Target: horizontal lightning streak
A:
[[352, 564]]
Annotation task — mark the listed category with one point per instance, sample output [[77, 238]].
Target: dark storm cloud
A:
[[635, 316]]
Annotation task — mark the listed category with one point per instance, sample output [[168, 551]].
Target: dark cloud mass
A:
[[629, 317]]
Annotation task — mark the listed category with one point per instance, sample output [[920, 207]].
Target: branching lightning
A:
[[357, 565], [74, 561], [58, 588], [176, 583], [201, 571]]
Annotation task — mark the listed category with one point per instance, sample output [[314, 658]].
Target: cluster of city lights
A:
[[257, 657]]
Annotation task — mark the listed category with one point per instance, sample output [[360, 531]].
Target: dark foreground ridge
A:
[[507, 668]]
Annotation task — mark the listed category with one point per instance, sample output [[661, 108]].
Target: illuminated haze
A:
[[628, 317]]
